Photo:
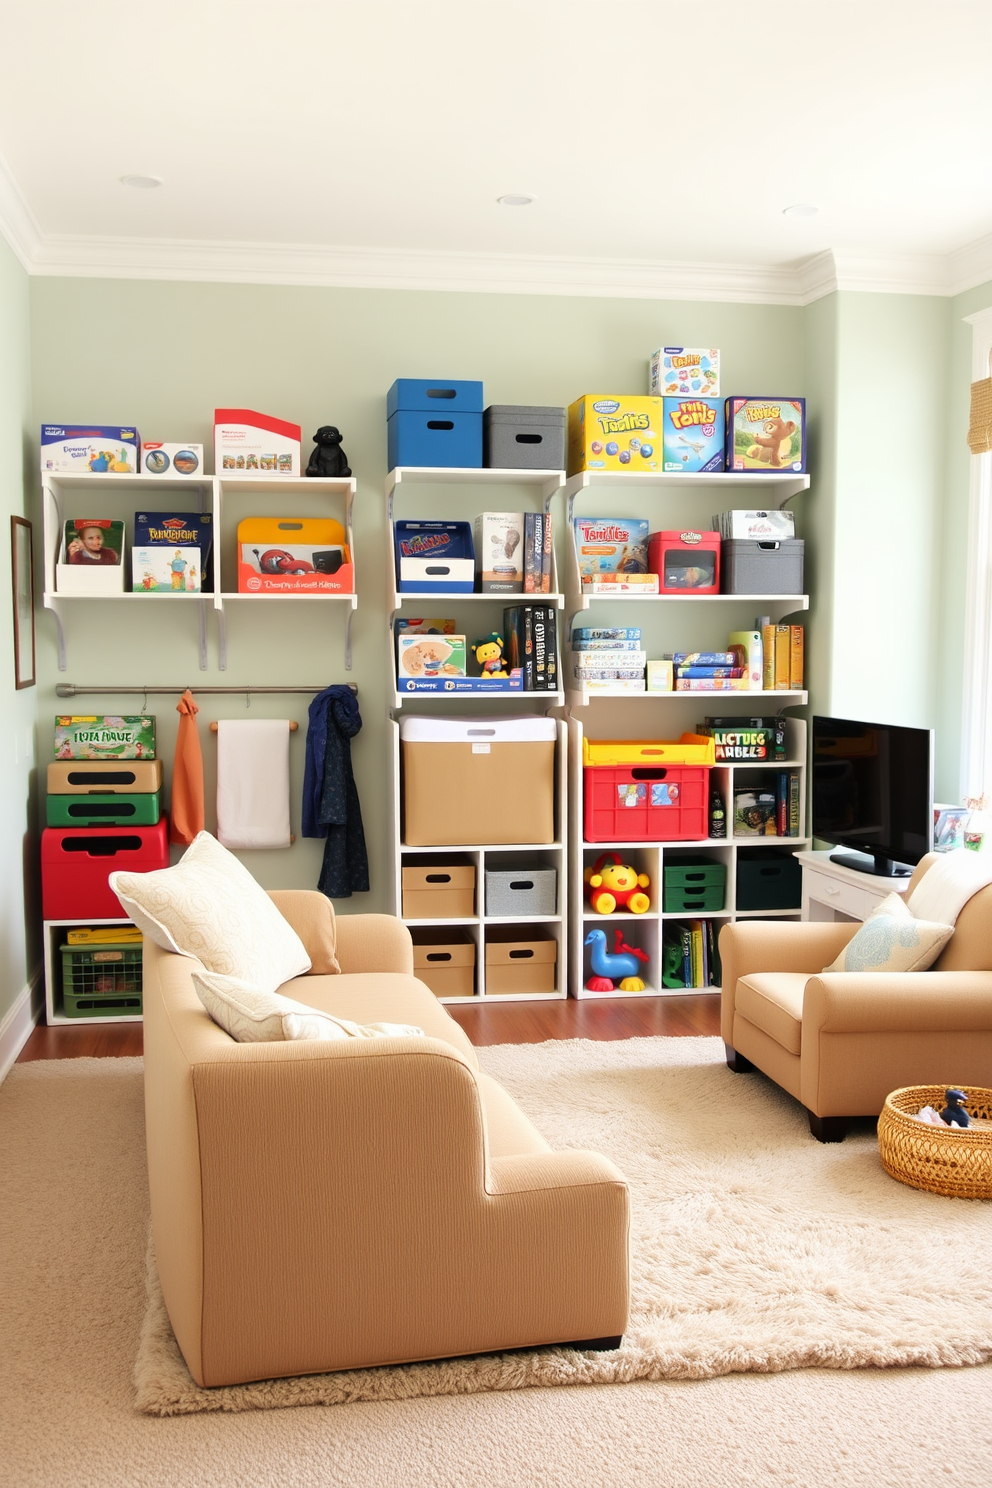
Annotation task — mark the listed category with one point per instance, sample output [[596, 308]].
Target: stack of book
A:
[[538, 548], [772, 810], [530, 634], [782, 649], [690, 958], [609, 659], [707, 671]]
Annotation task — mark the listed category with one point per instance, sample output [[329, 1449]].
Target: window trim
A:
[[976, 719]]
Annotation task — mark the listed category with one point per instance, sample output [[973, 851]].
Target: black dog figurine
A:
[[954, 1113], [328, 459]]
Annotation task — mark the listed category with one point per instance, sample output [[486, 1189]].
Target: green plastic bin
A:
[[693, 886], [101, 981], [104, 809]]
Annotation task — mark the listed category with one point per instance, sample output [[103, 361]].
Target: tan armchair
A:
[[840, 1042]]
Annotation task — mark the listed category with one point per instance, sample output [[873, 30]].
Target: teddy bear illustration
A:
[[775, 445]]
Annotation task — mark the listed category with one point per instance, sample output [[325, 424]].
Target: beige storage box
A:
[[445, 961], [439, 891], [478, 780], [524, 964], [79, 777]]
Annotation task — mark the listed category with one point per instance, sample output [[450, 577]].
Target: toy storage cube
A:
[[79, 777], [768, 879], [685, 562], [774, 566], [436, 439], [445, 961], [526, 963], [522, 438], [441, 891], [645, 803], [521, 891], [104, 809], [101, 981], [693, 886], [76, 862], [434, 395], [478, 780]]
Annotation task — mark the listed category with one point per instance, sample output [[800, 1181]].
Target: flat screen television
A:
[[872, 791]]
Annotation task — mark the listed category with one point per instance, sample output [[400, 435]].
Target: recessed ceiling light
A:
[[514, 200], [141, 183], [801, 209]]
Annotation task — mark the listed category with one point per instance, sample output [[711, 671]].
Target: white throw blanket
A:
[[946, 887], [253, 782]]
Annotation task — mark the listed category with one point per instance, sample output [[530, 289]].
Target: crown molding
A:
[[18, 223], [971, 265]]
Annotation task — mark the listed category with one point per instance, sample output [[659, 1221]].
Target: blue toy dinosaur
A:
[[621, 962]]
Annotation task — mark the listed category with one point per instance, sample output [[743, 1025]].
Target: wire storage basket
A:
[[945, 1160], [101, 980]]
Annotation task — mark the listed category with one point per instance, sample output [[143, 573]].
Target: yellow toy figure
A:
[[489, 655], [612, 885]]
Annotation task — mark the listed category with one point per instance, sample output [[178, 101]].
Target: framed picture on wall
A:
[[22, 583]]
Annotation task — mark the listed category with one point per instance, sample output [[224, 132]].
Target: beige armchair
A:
[[840, 1042]]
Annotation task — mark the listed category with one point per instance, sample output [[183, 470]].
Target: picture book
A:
[[93, 542]]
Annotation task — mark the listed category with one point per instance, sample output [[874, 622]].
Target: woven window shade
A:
[[980, 424]]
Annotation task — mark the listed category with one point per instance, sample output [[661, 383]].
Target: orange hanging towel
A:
[[186, 816]]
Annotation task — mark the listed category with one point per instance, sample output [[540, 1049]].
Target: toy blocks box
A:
[[685, 372], [620, 433], [171, 459], [293, 555], [693, 438], [766, 434], [104, 736], [158, 570], [103, 449], [249, 443]]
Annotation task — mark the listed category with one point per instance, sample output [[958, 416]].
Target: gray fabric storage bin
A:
[[769, 566], [516, 437], [521, 891]]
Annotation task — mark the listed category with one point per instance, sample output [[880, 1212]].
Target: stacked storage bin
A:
[[646, 791], [434, 423]]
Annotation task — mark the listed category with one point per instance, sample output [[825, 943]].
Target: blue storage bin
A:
[[427, 395], [417, 437]]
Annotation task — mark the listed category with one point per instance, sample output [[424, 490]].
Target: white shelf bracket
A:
[[202, 607], [60, 633], [347, 639], [221, 641]]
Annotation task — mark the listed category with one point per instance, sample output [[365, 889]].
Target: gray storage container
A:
[[521, 891], [523, 438], [768, 566]]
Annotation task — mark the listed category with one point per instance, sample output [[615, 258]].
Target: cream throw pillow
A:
[[210, 907], [893, 939], [253, 1016]]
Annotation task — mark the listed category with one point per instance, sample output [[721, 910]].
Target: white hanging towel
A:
[[253, 782], [948, 884]]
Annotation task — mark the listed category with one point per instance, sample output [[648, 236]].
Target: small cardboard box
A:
[[104, 737], [617, 432], [104, 449], [499, 552], [527, 962], [82, 776], [171, 459], [685, 372], [440, 891], [249, 443], [427, 656], [755, 525], [166, 571], [445, 961]]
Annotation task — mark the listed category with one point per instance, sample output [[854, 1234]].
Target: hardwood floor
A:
[[501, 1023]]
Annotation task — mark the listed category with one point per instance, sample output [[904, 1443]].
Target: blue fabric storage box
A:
[[433, 395], [448, 440]]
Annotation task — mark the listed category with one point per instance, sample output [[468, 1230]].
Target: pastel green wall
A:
[[165, 354], [20, 936]]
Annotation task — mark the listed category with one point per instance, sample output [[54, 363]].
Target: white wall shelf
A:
[[580, 695], [782, 484], [206, 493], [546, 482]]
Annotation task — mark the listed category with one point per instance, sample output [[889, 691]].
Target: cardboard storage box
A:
[[439, 891], [527, 963], [103, 449], [79, 777], [478, 780], [445, 961]]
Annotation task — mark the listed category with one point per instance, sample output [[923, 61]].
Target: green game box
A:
[[107, 736]]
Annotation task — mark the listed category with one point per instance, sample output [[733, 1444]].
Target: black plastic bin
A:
[[768, 878]]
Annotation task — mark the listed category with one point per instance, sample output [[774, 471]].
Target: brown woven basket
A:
[[942, 1160]]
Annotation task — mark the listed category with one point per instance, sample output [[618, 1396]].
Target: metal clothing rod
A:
[[71, 689]]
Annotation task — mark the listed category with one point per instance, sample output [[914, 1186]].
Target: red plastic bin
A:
[[646, 803], [76, 862]]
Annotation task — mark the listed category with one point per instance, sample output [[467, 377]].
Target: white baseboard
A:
[[18, 1023]]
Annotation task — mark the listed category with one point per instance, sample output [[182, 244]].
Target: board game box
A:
[[608, 545], [104, 736]]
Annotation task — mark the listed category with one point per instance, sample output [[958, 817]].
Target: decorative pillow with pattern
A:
[[210, 907], [893, 939], [253, 1016]]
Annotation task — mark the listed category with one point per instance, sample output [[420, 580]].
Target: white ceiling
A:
[[368, 142]]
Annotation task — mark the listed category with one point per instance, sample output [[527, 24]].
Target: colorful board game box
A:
[[104, 736], [621, 433], [104, 449], [431, 656], [160, 570], [176, 529], [693, 438], [766, 433], [610, 546], [685, 371]]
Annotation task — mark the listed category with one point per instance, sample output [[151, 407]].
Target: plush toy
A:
[[489, 655], [328, 459], [620, 962], [611, 884], [954, 1113], [775, 445]]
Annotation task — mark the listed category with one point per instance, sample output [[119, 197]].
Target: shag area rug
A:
[[754, 1247]]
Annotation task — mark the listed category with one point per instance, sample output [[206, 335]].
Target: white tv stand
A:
[[831, 892]]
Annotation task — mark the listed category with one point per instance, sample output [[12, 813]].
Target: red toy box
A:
[[685, 561], [77, 861], [646, 803]]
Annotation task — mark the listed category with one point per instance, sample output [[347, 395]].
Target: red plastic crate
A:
[[76, 862], [646, 803]]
